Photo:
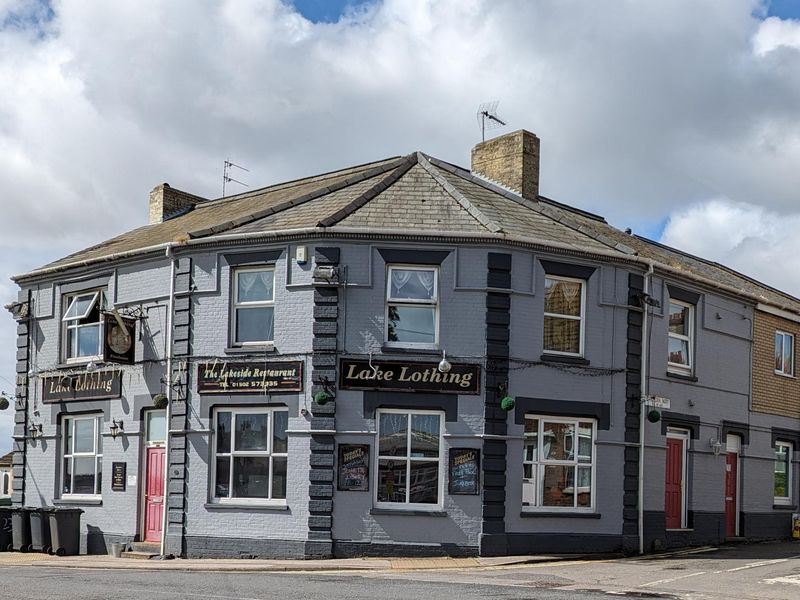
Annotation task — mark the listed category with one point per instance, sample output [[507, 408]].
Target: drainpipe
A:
[[643, 389], [168, 415]]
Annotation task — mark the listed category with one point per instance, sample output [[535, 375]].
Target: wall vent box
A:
[[300, 255]]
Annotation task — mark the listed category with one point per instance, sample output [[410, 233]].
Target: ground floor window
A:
[[82, 453], [783, 473], [409, 458], [558, 463], [250, 454]]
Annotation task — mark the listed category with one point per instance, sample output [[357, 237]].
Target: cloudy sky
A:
[[678, 118]]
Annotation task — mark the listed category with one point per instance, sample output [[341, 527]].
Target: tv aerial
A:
[[488, 117], [226, 175]]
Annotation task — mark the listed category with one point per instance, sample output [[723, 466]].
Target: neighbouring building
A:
[[403, 358]]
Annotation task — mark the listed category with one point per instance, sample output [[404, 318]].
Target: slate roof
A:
[[5, 460], [415, 193]]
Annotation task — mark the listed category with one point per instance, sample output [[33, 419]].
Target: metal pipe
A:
[[168, 411], [643, 390]]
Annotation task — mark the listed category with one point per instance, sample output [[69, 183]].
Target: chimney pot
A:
[[512, 160]]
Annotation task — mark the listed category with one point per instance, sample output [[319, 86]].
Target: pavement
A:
[[31, 559]]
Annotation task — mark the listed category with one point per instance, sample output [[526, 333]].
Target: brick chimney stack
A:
[[512, 160], [166, 202]]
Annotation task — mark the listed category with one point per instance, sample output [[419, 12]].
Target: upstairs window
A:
[[253, 306], [784, 353], [783, 473], [83, 326], [563, 315], [412, 306], [83, 457], [681, 333]]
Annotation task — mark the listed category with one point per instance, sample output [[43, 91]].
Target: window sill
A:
[[534, 514], [564, 358], [680, 529], [245, 506], [250, 349], [784, 507], [786, 375], [386, 349], [682, 376], [407, 512], [77, 502]]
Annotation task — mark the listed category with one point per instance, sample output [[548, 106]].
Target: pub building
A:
[[398, 358]]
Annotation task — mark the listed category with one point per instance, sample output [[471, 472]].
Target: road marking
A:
[[763, 563], [183, 594], [671, 579], [790, 579]]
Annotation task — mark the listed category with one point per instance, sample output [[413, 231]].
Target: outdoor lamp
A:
[[35, 430], [115, 428], [715, 445], [444, 364]]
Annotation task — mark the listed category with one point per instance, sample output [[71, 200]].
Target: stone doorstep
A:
[[134, 554]]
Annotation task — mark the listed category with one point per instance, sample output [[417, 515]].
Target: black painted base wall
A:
[[218, 547], [351, 549], [553, 543], [766, 526]]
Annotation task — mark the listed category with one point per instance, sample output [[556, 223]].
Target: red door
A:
[[731, 472], [673, 484], [154, 495]]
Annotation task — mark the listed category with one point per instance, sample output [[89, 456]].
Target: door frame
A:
[[146, 444], [734, 441], [684, 436]]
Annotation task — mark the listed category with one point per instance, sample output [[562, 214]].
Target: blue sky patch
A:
[[326, 11], [785, 9]]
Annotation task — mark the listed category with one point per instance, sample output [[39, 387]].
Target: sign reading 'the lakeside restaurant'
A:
[[222, 377], [408, 376]]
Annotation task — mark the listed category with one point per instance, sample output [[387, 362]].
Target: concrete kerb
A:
[[354, 565]]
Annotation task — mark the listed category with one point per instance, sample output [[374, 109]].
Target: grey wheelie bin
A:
[[40, 529], [65, 530], [6, 540], [21, 528]]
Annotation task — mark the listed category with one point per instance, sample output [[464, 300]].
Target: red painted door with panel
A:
[[154, 495], [731, 473], [673, 484]]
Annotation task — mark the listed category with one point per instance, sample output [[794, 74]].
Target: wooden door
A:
[[731, 489], [154, 495], [673, 484]]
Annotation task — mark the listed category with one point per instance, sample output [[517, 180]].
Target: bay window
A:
[[82, 454], [250, 454], [412, 306], [558, 463]]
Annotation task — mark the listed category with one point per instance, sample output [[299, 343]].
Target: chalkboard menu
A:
[[353, 468], [465, 471], [118, 472]]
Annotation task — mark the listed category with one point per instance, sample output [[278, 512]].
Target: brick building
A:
[[403, 357]]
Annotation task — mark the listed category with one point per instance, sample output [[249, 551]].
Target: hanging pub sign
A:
[[407, 376], [92, 385], [222, 377], [353, 468], [118, 346], [464, 471]]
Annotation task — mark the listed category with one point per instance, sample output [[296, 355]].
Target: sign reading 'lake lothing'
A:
[[222, 377], [403, 376], [95, 385]]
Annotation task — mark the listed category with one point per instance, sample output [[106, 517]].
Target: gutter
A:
[[168, 413], [643, 391]]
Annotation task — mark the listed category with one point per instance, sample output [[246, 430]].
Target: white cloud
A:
[[746, 237], [643, 108]]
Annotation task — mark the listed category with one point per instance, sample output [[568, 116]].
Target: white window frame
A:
[[785, 500], [401, 506], [74, 324], [689, 339], [541, 462], [234, 410], [69, 454], [235, 304], [581, 318], [784, 336], [434, 301]]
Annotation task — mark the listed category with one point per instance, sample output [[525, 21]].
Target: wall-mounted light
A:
[[35, 430], [715, 445], [115, 428], [326, 274], [444, 364]]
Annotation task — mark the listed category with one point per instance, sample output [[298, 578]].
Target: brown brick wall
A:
[[773, 393]]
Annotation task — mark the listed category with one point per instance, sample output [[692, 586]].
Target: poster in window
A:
[[465, 471], [353, 474]]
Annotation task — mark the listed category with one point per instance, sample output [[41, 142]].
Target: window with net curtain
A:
[[253, 305], [563, 315], [411, 306]]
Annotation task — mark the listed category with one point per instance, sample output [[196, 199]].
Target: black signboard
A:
[[119, 472], [92, 385], [118, 346], [408, 376], [353, 468], [222, 377], [465, 469]]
